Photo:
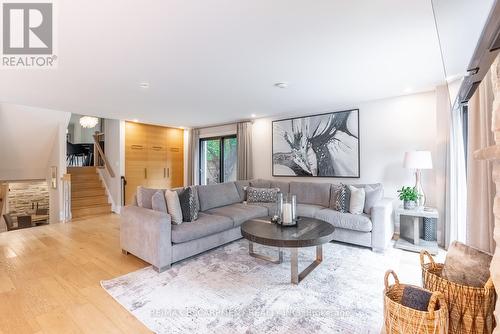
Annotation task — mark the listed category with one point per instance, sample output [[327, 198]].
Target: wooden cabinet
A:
[[154, 158]]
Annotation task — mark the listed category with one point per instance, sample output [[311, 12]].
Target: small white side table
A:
[[417, 244]]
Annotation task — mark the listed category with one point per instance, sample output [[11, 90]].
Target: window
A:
[[218, 159]]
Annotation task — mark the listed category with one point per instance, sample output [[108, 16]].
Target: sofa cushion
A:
[[271, 208], [308, 210], [284, 187], [217, 195], [240, 212], [242, 186], [145, 196], [373, 194], [347, 221], [311, 193], [260, 183], [204, 226]]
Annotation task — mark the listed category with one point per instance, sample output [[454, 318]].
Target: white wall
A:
[[388, 128], [114, 148], [31, 141]]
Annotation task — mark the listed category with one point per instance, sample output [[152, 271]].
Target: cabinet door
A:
[[157, 158], [175, 157], [136, 157]]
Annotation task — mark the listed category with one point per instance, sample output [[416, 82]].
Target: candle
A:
[[287, 213]]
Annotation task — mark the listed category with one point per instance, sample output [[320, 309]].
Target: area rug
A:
[[227, 291]]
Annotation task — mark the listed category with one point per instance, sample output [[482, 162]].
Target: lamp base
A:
[[419, 189]]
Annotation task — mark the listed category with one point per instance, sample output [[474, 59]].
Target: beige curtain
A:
[[245, 160], [193, 157], [480, 189]]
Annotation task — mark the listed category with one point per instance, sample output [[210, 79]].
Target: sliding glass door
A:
[[218, 159]]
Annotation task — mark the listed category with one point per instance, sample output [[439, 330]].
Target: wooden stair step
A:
[[84, 177], [88, 201], [91, 210], [81, 170], [86, 185], [88, 193]]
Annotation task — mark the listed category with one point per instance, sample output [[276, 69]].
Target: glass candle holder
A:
[[289, 211], [279, 208]]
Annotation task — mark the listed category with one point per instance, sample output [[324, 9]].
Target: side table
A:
[[414, 243]]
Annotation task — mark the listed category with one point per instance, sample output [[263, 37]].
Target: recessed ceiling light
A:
[[253, 115], [144, 85], [281, 84]]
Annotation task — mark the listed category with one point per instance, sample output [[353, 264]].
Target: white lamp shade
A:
[[418, 160]]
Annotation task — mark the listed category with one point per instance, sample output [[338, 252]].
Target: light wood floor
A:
[[50, 279]]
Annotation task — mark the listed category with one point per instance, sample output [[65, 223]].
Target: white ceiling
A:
[[216, 61]]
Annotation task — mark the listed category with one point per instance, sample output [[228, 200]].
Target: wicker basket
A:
[[399, 319], [470, 308]]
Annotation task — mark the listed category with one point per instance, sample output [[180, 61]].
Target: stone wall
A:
[[23, 195]]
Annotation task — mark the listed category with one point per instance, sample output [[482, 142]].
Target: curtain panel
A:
[[245, 159], [481, 188], [193, 157]]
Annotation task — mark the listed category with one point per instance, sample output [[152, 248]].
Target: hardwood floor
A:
[[50, 279]]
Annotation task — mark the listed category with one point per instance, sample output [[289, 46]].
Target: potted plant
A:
[[409, 196]]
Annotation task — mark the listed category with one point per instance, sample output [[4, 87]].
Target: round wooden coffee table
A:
[[308, 232]]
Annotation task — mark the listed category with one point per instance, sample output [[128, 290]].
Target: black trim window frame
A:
[[221, 155]]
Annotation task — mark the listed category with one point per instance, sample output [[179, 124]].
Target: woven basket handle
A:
[[386, 278], [424, 253], [436, 296], [489, 284]]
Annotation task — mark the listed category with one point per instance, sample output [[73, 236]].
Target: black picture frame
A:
[[327, 114]]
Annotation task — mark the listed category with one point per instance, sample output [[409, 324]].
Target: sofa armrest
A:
[[147, 234], [383, 225]]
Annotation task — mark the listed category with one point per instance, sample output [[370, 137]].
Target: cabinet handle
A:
[[168, 172], [164, 172], [157, 148], [145, 173], [137, 147]]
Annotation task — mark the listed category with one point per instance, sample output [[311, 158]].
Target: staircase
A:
[[88, 196]]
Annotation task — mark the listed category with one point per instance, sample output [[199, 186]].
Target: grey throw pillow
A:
[[189, 204], [262, 195], [158, 202], [373, 194], [415, 298], [145, 197]]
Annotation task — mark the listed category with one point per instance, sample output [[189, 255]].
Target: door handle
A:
[[145, 173]]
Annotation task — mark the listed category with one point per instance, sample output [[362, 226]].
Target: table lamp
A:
[[418, 160]]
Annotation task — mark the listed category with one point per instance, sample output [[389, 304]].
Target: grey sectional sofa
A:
[[150, 235]]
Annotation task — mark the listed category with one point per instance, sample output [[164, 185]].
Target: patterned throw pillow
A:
[[262, 195], [188, 199], [341, 203]]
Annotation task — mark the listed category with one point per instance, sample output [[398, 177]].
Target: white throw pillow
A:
[[357, 202], [174, 206]]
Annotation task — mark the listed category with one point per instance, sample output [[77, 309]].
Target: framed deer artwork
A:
[[325, 145]]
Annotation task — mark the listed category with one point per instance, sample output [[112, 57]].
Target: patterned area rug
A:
[[227, 291]]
